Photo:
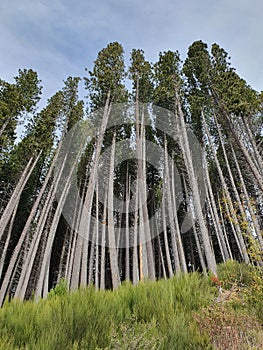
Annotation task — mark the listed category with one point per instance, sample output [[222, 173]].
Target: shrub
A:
[[60, 289], [234, 273], [229, 329]]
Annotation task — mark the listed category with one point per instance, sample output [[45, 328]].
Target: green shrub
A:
[[60, 289], [151, 315], [234, 273], [254, 294]]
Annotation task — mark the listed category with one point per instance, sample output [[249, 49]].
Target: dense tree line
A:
[[194, 123]]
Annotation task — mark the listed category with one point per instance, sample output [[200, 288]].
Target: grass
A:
[[179, 313]]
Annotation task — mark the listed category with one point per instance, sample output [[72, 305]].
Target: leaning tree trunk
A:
[[210, 257], [258, 177], [232, 213], [8, 239], [253, 217], [171, 213], [12, 203], [39, 236], [80, 265]]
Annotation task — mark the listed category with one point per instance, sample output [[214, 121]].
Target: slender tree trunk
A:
[[171, 213], [174, 208], [127, 229], [80, 266], [232, 130], [39, 236], [193, 226], [135, 267], [112, 243], [224, 228], [218, 229], [103, 242], [258, 157], [5, 125], [248, 201], [8, 238], [96, 279], [166, 244], [143, 196], [210, 258], [9, 209], [232, 212], [42, 285]]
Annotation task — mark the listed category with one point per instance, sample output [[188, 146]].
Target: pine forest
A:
[[155, 173]]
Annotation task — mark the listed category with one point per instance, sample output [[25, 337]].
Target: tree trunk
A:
[[210, 258], [80, 266], [112, 243]]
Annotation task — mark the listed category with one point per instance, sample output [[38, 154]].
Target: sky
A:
[[60, 38]]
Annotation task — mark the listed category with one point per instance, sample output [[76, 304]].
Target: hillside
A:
[[185, 312]]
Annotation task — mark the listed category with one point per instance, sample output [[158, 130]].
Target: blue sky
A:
[[60, 38]]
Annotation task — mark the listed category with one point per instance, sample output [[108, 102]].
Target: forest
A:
[[129, 184]]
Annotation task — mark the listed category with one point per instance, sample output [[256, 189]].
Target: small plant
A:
[[60, 289], [232, 273], [254, 294], [134, 335], [216, 282]]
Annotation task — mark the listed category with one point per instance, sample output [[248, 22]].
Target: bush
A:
[[60, 289], [151, 315], [230, 329], [234, 273]]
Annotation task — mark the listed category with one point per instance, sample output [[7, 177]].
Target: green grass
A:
[[152, 315]]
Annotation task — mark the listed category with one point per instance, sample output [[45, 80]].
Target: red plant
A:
[[214, 279]]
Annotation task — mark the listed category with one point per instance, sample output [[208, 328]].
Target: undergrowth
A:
[[184, 312]]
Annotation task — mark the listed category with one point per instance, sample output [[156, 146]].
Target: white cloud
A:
[[60, 38]]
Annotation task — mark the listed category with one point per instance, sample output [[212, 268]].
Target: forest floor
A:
[[185, 312]]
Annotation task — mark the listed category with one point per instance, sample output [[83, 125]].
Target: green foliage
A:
[[254, 295], [234, 273], [250, 278], [141, 75], [197, 68], [133, 335], [179, 313], [213, 86], [72, 108], [167, 79], [107, 77], [29, 89], [60, 289], [16, 100], [149, 316]]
